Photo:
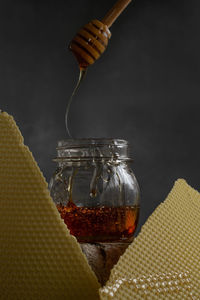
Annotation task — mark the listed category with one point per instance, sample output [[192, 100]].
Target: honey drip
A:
[[82, 74], [70, 184], [94, 181], [100, 224]]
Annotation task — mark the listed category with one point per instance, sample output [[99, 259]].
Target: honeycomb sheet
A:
[[163, 262], [39, 259]]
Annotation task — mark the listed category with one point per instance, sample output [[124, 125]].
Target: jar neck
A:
[[92, 151]]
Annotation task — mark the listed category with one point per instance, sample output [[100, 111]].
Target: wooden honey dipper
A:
[[90, 42], [92, 39]]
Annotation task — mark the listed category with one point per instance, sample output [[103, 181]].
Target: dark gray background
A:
[[145, 87]]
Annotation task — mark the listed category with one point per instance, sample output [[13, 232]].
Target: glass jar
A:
[[95, 190]]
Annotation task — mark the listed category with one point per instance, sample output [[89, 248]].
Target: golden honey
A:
[[100, 224]]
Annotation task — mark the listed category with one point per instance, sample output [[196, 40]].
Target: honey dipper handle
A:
[[114, 12]]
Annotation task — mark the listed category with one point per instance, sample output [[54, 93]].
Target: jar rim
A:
[[92, 149], [88, 142]]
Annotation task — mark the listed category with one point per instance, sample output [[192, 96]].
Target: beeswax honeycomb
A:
[[163, 262], [39, 259]]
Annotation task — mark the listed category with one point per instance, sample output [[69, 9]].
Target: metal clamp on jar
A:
[[97, 196]]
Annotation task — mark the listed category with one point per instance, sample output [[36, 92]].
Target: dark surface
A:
[[145, 87]]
